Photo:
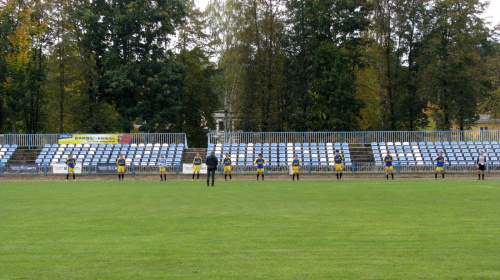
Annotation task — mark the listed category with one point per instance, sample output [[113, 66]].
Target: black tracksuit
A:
[[212, 163]]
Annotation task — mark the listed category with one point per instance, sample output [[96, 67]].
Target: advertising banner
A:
[[106, 168], [187, 168], [94, 139], [23, 168], [62, 168]]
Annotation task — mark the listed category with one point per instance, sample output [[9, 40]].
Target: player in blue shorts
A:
[[388, 159], [162, 167], [71, 163], [339, 164], [439, 166], [260, 162], [227, 167], [197, 161], [295, 167], [120, 166]]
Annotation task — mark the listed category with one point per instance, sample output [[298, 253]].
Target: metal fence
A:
[[39, 140], [361, 168], [355, 137], [47, 169], [355, 168]]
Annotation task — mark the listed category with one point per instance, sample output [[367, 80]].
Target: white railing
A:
[[355, 137], [39, 140]]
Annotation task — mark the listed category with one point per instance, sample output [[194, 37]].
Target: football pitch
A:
[[416, 229]]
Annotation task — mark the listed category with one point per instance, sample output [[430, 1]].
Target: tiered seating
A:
[[92, 154], [6, 152], [282, 153], [424, 153]]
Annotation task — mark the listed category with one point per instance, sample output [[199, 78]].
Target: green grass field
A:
[[250, 230]]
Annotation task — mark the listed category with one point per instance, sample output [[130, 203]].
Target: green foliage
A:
[[398, 28], [369, 90], [127, 40], [198, 100], [100, 66], [490, 101], [454, 62], [333, 103], [324, 52], [259, 105], [23, 64]]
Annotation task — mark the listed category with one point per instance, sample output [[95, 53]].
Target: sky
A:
[[493, 10]]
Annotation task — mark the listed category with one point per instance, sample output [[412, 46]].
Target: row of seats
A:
[[424, 153], [437, 143], [282, 153], [92, 154], [6, 152], [279, 154], [112, 146]]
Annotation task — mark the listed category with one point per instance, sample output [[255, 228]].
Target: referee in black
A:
[[212, 163], [481, 164]]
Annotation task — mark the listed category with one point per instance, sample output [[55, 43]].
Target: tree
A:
[[198, 99], [23, 62], [259, 105], [454, 61], [369, 90], [324, 51], [490, 102], [334, 106], [224, 24], [62, 54], [398, 28], [125, 42]]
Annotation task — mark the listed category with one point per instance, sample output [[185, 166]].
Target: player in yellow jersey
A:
[[260, 162], [339, 164], [120, 165], [197, 161], [71, 163], [295, 167], [439, 165], [388, 166], [162, 166], [227, 167]]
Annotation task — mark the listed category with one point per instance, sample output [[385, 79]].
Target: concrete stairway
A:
[[361, 154], [24, 156], [189, 154]]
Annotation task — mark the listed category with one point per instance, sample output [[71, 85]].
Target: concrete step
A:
[[24, 156], [189, 154], [361, 154]]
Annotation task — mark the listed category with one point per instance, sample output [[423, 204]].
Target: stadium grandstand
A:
[[281, 154], [6, 152], [422, 153], [413, 151], [363, 151], [43, 153], [92, 154]]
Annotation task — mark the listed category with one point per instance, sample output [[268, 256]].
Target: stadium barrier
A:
[[355, 168], [361, 167], [407, 169], [35, 141], [31, 141], [353, 137], [47, 169]]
